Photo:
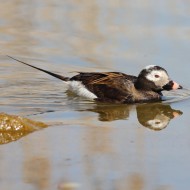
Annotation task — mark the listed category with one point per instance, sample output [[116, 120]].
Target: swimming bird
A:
[[117, 87]]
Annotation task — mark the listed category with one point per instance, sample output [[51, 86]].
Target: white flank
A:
[[78, 88]]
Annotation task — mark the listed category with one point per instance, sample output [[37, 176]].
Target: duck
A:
[[118, 87]]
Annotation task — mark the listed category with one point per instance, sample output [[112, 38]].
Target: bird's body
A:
[[113, 87], [117, 87]]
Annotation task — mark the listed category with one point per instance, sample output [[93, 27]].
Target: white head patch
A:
[[156, 75], [159, 122], [149, 67]]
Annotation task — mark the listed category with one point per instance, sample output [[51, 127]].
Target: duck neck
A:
[[144, 92], [142, 84]]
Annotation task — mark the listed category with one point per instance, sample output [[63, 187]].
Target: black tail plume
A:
[[48, 72]]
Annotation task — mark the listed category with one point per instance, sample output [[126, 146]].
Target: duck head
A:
[[156, 79]]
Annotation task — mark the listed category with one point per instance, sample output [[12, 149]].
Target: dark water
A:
[[88, 145]]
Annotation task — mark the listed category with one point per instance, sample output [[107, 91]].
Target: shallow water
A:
[[88, 145]]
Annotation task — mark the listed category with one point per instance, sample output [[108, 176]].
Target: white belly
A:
[[78, 88]]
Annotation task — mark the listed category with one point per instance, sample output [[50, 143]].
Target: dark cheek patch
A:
[[168, 86]]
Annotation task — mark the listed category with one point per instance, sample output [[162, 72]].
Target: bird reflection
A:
[[155, 116]]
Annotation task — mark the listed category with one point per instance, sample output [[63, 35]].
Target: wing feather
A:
[[108, 86]]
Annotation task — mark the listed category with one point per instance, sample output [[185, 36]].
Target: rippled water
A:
[[89, 145]]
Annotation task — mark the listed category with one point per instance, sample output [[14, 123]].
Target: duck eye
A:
[[156, 76]]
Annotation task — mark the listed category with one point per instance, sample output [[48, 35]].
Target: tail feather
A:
[[45, 71]]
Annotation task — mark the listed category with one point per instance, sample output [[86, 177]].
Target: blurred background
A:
[[87, 145]]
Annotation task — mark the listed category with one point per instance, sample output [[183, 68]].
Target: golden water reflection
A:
[[153, 116], [14, 127]]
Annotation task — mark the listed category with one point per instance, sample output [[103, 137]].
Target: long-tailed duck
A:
[[117, 87]]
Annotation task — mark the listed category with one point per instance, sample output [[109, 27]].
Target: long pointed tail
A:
[[48, 72]]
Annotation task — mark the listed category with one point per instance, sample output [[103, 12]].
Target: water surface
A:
[[88, 145]]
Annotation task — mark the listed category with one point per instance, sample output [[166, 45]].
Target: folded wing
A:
[[108, 86]]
